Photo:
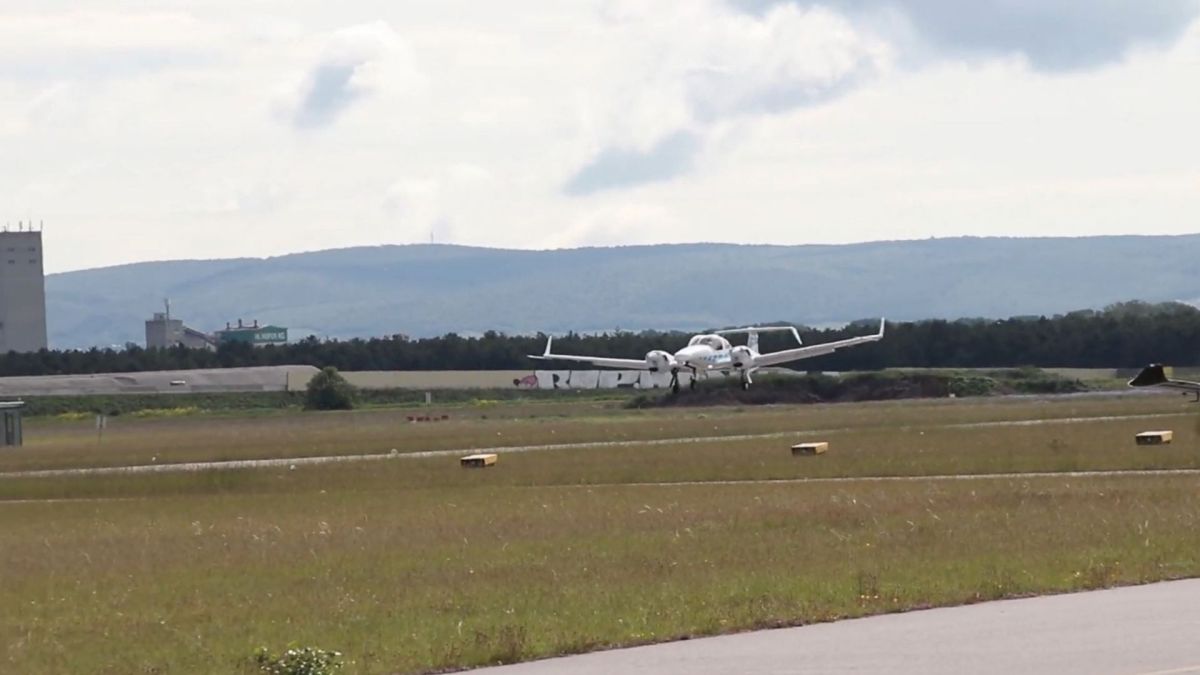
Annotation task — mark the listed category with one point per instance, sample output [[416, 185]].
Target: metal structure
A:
[[22, 291], [11, 412]]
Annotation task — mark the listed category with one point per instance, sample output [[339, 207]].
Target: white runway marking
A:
[[184, 467], [69, 500]]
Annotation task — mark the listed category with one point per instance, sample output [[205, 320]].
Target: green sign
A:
[[258, 336]]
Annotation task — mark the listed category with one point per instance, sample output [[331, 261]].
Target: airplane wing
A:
[[602, 361], [1155, 375], [776, 358]]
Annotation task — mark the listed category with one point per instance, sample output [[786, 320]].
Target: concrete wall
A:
[[22, 292], [266, 378], [424, 379], [504, 379], [611, 379], [296, 378]]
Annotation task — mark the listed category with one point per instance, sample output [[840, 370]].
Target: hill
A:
[[422, 290]]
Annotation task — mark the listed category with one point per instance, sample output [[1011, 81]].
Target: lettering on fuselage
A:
[[716, 358]]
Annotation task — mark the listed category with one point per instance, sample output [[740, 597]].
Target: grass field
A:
[[414, 564]]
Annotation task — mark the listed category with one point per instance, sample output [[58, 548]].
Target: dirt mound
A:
[[875, 386]]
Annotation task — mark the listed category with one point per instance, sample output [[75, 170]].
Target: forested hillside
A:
[[1125, 335], [428, 290]]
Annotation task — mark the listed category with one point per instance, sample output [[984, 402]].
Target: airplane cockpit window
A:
[[715, 342]]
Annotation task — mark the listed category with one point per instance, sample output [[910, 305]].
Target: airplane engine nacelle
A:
[[742, 357], [659, 361]]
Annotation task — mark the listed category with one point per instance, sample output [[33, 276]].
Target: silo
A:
[[22, 292]]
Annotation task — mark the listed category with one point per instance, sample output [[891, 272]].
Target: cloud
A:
[[91, 45], [329, 90], [617, 167], [414, 202], [354, 63], [1053, 34], [726, 65], [618, 224], [788, 58]]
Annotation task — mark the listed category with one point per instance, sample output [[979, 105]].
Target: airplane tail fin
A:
[[752, 340], [1151, 375]]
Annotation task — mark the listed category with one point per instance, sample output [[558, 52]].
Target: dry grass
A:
[[423, 579], [57, 444], [414, 565]]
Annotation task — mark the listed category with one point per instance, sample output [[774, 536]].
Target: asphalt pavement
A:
[[1139, 630]]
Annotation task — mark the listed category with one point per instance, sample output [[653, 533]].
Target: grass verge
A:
[[429, 579]]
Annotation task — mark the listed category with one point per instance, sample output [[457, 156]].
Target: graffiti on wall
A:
[[601, 379]]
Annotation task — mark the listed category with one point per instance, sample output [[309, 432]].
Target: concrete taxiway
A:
[[1139, 630]]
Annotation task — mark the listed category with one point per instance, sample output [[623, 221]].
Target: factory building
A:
[[22, 291], [254, 334], [163, 332]]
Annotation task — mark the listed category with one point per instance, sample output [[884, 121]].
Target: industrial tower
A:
[[22, 291]]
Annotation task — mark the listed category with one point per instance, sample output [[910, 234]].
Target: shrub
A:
[[328, 390], [299, 661]]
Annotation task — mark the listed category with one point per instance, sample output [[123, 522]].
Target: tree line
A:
[[1125, 335]]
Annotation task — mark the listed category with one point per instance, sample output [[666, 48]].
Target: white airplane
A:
[[712, 351], [1155, 375]]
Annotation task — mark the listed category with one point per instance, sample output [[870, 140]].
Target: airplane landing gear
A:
[[745, 380], [675, 381], [695, 376]]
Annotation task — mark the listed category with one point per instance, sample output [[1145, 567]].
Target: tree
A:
[[328, 390]]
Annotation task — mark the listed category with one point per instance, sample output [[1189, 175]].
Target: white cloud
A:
[[710, 63], [1054, 35], [355, 62], [112, 30], [414, 202], [98, 44], [164, 134], [619, 224]]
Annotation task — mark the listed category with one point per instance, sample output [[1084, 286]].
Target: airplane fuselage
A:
[[704, 357], [706, 352]]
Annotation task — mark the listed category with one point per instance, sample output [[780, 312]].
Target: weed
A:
[[298, 661]]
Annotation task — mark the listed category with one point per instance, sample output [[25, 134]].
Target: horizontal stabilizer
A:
[[755, 330]]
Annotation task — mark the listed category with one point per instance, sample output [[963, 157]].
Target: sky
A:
[[137, 131]]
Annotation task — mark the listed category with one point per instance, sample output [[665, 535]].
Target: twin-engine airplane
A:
[[712, 351], [1155, 375]]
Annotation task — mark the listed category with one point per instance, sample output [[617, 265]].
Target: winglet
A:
[[882, 323], [549, 339]]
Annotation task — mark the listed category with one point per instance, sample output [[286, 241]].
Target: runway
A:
[[1140, 630]]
